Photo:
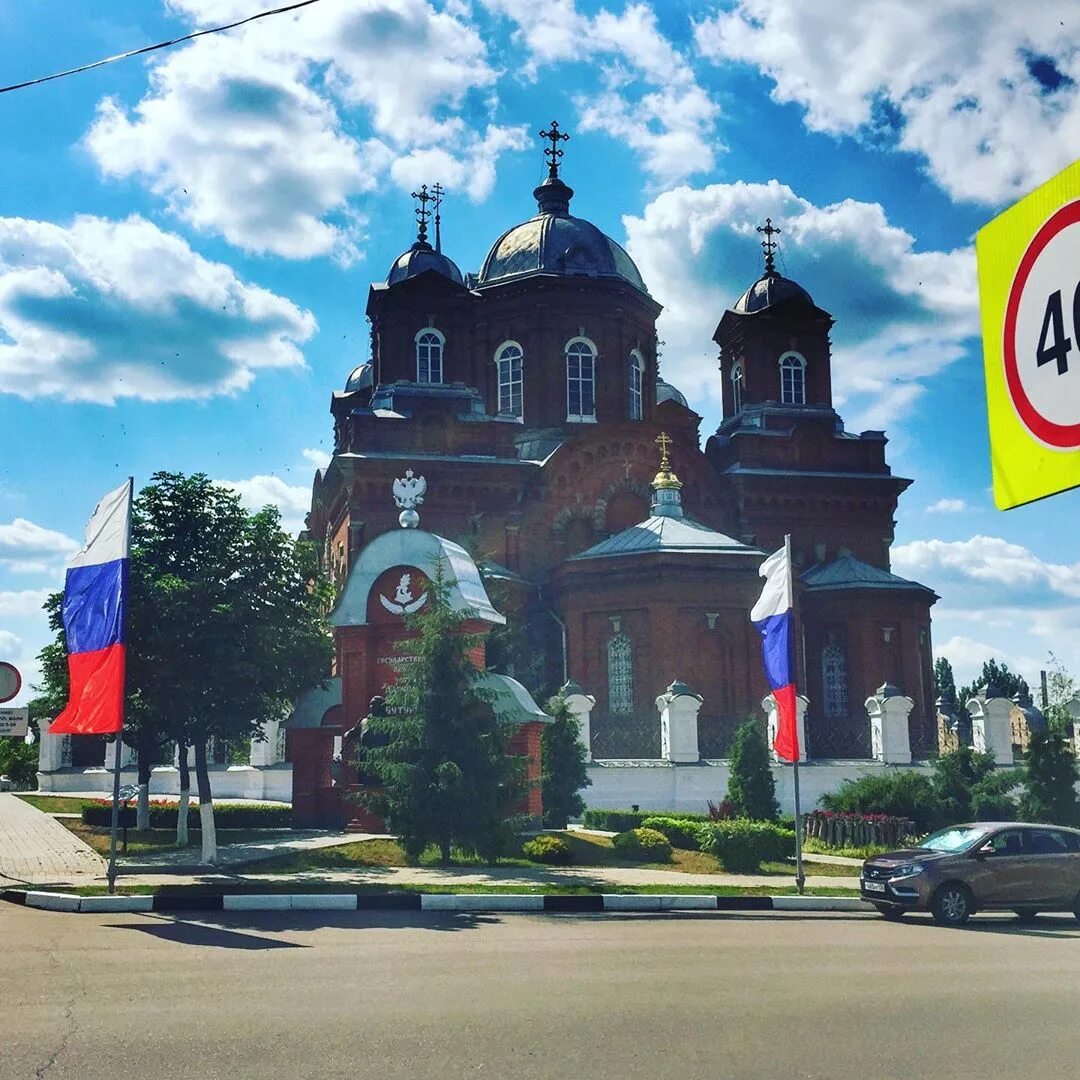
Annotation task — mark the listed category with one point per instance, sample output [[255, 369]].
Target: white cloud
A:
[[102, 310], [29, 548], [258, 491], [23, 601], [948, 506], [986, 93], [319, 458], [10, 643], [648, 99], [252, 135], [901, 315]]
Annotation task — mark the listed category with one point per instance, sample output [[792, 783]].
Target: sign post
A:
[[1029, 296], [14, 722]]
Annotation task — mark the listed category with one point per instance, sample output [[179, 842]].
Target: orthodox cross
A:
[[769, 245], [553, 153], [437, 193], [422, 212], [664, 440]]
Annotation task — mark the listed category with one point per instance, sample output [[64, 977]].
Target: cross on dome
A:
[[665, 479], [422, 212], [437, 193], [769, 245], [553, 153]]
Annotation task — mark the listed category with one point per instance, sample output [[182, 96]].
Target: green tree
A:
[[945, 684], [1050, 777], [1060, 690], [18, 761], [751, 786], [998, 676], [565, 773], [446, 777], [955, 776]]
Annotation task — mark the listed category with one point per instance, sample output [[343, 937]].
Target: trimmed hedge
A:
[[622, 820], [553, 850], [226, 816], [680, 832], [742, 846], [643, 845]]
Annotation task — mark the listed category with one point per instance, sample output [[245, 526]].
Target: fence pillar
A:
[[889, 710], [768, 704], [991, 725], [678, 707], [581, 706]]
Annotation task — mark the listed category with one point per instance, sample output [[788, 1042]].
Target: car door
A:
[[1051, 870], [999, 872]]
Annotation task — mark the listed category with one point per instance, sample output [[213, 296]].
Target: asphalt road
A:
[[364, 995]]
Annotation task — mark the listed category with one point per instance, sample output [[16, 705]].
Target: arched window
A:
[[635, 377], [429, 355], [834, 681], [620, 675], [737, 386], [792, 379], [508, 364], [580, 380]]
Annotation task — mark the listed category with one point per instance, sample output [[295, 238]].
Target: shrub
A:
[[621, 820], [565, 773], [956, 776], [553, 850], [724, 810], [1050, 777], [992, 798], [751, 787], [643, 845], [680, 832], [903, 793], [742, 846], [226, 816]]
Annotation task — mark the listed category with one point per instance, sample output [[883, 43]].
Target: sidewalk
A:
[[36, 849]]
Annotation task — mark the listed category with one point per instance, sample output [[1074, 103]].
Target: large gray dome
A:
[[420, 258], [555, 242], [769, 290]]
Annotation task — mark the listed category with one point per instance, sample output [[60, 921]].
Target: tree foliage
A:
[[945, 684], [1050, 778], [565, 772], [446, 777], [998, 677], [751, 786]]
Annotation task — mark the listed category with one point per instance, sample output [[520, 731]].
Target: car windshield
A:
[[954, 839]]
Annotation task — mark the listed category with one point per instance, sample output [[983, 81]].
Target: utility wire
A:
[[159, 45]]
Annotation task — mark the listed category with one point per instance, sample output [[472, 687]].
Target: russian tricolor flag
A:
[[94, 615], [773, 617]]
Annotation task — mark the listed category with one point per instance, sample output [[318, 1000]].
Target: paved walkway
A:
[[35, 848]]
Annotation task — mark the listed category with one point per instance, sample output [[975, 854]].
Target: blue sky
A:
[[186, 241]]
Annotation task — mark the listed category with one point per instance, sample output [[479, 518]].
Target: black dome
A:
[[769, 290], [420, 258]]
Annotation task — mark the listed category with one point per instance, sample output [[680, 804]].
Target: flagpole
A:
[[800, 876], [111, 872]]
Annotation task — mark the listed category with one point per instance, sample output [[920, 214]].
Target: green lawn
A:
[[59, 804], [588, 850], [816, 847], [155, 840]]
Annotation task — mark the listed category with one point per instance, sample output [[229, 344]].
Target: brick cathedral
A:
[[529, 395]]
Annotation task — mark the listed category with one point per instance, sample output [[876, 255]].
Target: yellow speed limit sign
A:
[[1029, 296]]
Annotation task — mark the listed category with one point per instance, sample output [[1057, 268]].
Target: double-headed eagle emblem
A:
[[408, 495]]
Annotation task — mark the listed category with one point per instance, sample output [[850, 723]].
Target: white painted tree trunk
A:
[[209, 834], [182, 817], [142, 811]]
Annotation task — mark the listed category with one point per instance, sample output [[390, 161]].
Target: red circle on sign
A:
[[1061, 436], [18, 680]]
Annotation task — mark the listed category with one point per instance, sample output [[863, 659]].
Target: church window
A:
[[429, 355], [792, 379], [508, 361], [635, 378], [834, 681], [737, 386], [580, 380], [620, 675]]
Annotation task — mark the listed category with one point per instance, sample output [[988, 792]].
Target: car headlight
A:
[[907, 870]]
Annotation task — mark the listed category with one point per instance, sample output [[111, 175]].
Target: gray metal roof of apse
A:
[[667, 534], [847, 572]]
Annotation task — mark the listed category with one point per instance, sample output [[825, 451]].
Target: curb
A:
[[596, 903]]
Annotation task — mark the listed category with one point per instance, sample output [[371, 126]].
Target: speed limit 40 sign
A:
[[1029, 294]]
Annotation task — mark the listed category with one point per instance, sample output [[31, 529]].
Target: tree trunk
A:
[[206, 804], [185, 796], [142, 810]]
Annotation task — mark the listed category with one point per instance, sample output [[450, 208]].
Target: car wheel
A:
[[952, 905], [890, 912], [1025, 915]]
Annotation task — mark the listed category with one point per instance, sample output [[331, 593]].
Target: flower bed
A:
[[856, 830]]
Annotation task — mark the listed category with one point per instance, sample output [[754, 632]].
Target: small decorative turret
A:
[[667, 500]]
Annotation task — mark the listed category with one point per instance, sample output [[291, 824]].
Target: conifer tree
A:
[[565, 773], [751, 786], [1050, 777], [446, 777]]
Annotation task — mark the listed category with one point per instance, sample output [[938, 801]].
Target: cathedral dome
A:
[[420, 258], [666, 392], [361, 378], [555, 242], [769, 290]]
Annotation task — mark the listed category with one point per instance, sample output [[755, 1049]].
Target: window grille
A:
[[620, 675], [835, 681]]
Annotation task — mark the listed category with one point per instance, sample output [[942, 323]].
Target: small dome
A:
[[420, 258], [666, 392], [361, 378], [768, 291]]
